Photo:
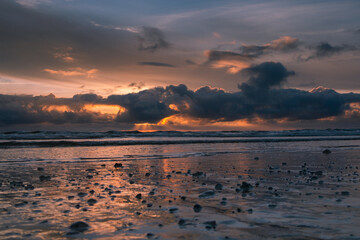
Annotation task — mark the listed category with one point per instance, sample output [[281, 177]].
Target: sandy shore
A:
[[290, 195]]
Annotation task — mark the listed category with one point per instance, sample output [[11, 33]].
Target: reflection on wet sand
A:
[[237, 196]]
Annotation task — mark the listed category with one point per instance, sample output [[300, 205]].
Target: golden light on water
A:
[[182, 122]]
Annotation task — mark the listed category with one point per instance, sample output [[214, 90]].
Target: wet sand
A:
[[283, 195]]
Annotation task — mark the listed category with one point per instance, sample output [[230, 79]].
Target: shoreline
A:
[[290, 195]]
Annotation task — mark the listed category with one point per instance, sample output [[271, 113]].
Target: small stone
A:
[[326, 151], [245, 187], [91, 201], [79, 226], [44, 178], [182, 222], [118, 165], [197, 174], [22, 204], [150, 235], [173, 210], [82, 194], [197, 208], [210, 224], [139, 196], [207, 194], [218, 187]]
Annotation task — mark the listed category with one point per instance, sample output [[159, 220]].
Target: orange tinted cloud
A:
[[64, 54], [73, 72], [104, 109], [233, 62]]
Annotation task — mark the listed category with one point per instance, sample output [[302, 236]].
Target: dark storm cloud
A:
[[31, 110], [152, 39], [145, 106], [261, 97], [266, 75], [156, 64], [325, 49]]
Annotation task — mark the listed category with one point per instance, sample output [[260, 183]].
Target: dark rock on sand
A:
[[210, 224], [79, 226], [139, 196], [118, 165], [44, 178], [40, 169], [182, 222], [345, 193], [197, 208], [82, 194], [91, 201], [22, 204], [245, 187], [173, 210], [197, 174], [218, 186], [150, 235], [16, 184], [207, 194], [326, 151], [28, 187]]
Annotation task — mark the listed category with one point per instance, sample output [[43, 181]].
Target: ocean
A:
[[248, 184]]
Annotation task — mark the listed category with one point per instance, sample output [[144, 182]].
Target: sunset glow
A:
[[180, 66]]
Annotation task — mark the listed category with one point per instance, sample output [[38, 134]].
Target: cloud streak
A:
[[156, 64], [325, 49]]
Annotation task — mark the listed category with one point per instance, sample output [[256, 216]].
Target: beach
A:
[[221, 190]]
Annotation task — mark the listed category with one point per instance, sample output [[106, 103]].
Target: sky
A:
[[179, 65]]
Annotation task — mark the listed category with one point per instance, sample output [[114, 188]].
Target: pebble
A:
[[44, 178], [219, 186], [197, 208], [207, 194], [79, 226], [91, 201], [326, 151]]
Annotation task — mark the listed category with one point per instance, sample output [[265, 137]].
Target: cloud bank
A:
[[261, 97]]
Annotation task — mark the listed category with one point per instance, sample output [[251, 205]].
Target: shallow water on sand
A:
[[295, 191]]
